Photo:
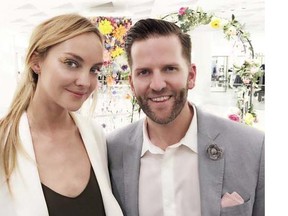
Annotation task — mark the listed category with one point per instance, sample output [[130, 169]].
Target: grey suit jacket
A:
[[240, 169]]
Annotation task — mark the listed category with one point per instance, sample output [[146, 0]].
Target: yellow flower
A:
[[119, 32], [249, 119], [215, 23], [117, 52], [105, 27]]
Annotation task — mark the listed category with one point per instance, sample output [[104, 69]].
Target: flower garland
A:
[[188, 19], [249, 72]]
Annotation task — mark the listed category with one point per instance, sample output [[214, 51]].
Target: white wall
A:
[[7, 71], [12, 49], [201, 57]]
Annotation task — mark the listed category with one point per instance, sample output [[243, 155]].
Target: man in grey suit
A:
[[179, 160]]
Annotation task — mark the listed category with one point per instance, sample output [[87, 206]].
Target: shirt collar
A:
[[189, 140]]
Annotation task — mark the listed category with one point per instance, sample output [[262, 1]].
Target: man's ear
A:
[[192, 76], [131, 84], [35, 63]]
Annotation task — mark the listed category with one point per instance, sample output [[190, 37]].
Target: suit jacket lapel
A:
[[131, 163], [211, 172], [26, 186]]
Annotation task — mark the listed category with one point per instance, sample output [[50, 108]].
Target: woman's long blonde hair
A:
[[46, 35]]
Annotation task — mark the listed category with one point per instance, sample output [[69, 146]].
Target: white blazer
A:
[[27, 198]]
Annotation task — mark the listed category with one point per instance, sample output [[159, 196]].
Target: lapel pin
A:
[[214, 152]]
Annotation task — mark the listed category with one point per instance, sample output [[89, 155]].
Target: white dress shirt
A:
[[169, 181]]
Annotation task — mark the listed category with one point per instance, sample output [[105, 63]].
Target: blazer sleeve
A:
[[259, 203]]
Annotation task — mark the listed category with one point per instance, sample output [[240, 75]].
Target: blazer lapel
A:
[[211, 172], [131, 164], [91, 135], [90, 140], [26, 186]]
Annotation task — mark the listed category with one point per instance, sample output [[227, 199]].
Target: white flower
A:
[[231, 31], [254, 69]]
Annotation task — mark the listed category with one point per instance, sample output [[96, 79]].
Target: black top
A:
[[88, 203]]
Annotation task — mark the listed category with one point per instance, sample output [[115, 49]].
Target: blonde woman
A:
[[53, 161]]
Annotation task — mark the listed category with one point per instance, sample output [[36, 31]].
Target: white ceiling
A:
[[20, 16]]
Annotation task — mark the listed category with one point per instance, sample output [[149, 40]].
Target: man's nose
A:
[[157, 82]]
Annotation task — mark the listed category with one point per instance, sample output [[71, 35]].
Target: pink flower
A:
[[234, 117], [182, 11], [246, 81]]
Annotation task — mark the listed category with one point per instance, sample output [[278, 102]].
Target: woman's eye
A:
[[96, 70], [71, 63]]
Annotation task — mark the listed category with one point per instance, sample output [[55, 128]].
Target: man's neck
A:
[[171, 133]]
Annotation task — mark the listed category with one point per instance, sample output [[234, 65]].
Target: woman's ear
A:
[[35, 63]]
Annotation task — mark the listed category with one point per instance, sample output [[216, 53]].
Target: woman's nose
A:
[[83, 79]]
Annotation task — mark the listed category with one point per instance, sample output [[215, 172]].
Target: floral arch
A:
[[249, 72], [116, 67]]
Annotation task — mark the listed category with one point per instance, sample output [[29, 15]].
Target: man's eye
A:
[[143, 72], [170, 69]]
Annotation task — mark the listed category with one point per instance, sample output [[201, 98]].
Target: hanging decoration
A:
[[115, 63], [115, 100]]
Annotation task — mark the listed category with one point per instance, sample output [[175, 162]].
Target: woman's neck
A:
[[47, 118]]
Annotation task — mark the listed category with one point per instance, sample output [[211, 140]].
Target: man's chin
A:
[[163, 120]]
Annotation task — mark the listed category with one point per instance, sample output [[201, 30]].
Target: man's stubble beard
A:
[[180, 100]]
